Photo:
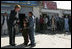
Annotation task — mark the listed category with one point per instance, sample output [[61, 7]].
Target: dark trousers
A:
[[1, 29], [31, 35], [11, 35], [25, 36], [41, 26]]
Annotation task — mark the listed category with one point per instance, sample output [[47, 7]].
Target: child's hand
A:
[[24, 25]]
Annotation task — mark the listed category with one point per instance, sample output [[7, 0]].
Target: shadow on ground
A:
[[17, 46]]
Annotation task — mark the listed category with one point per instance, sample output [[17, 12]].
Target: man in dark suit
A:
[[12, 21]]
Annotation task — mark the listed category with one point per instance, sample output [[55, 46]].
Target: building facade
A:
[[50, 8], [26, 6]]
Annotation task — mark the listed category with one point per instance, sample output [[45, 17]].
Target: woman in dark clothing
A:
[[13, 19], [25, 31]]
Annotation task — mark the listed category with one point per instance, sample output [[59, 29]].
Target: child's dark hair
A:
[[31, 13]]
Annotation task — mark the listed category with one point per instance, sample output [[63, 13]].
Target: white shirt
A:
[[16, 17], [34, 21], [1, 19], [45, 20], [5, 23]]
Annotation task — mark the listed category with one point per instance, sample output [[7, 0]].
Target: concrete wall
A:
[[26, 10], [60, 13], [53, 12], [36, 11], [67, 12]]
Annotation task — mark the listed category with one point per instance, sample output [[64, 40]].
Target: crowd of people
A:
[[27, 25], [53, 23]]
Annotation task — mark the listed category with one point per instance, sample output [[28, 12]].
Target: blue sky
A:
[[63, 4]]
